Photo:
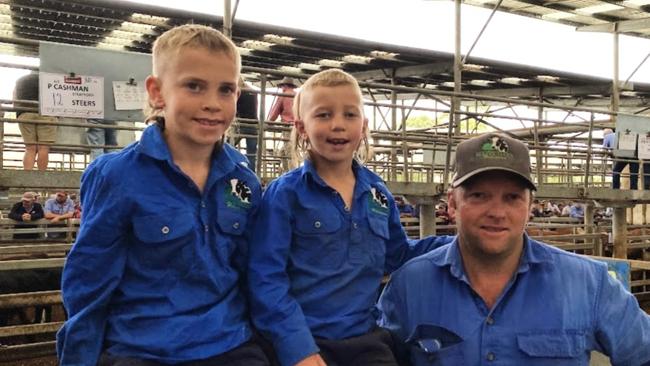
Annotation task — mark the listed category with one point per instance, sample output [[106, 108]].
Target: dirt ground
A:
[[42, 361]]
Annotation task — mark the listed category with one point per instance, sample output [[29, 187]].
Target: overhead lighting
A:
[[599, 9], [282, 40], [149, 18], [243, 51], [484, 83], [356, 59], [309, 66], [548, 78], [258, 45], [557, 15], [290, 69], [449, 84], [384, 55], [474, 67], [513, 80], [331, 63]]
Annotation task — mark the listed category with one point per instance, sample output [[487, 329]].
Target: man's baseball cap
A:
[[492, 151], [28, 197]]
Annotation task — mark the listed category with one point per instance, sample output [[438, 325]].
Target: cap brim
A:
[[458, 181]]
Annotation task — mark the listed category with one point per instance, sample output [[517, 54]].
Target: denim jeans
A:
[[100, 136]]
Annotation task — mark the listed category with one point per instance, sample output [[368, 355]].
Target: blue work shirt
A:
[[155, 271], [556, 309], [609, 141], [55, 207], [577, 211], [316, 266]]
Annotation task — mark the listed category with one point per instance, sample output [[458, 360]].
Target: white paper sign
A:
[[627, 141], [129, 95], [78, 96], [644, 147]]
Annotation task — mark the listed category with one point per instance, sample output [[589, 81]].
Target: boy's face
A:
[[333, 122], [197, 90]]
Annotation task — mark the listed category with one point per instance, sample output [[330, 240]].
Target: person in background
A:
[[101, 140], [247, 109], [27, 210], [37, 137], [405, 209], [282, 107], [496, 296], [577, 210]]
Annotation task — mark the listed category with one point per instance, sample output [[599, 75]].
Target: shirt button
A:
[[206, 228], [165, 230], [354, 225], [489, 320], [347, 208], [235, 225], [490, 356], [202, 204], [317, 224]]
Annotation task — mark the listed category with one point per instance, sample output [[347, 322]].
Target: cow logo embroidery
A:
[[378, 202], [494, 148], [238, 194]]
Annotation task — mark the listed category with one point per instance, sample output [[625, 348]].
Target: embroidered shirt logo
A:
[[238, 194], [494, 148], [378, 202]]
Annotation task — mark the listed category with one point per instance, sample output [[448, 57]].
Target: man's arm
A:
[[277, 109], [622, 328], [15, 213]]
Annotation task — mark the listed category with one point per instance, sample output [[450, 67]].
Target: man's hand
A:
[[55, 219], [27, 217], [313, 360]]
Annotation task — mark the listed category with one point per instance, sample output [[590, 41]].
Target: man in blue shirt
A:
[[496, 297]]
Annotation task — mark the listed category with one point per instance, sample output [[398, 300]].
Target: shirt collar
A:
[[364, 179], [153, 144], [534, 253]]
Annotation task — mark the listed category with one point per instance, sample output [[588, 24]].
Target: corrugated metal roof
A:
[[134, 27]]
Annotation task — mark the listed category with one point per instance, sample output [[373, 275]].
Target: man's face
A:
[[61, 197], [491, 211]]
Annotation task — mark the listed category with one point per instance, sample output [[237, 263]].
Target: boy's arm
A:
[[622, 328], [92, 271], [399, 248], [276, 109], [275, 312]]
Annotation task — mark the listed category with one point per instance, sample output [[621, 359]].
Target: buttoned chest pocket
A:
[[316, 240], [233, 226], [165, 239], [559, 347], [372, 249]]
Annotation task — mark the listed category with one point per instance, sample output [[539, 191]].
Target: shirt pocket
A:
[[165, 239], [431, 344], [233, 225], [371, 250], [316, 240], [563, 347]]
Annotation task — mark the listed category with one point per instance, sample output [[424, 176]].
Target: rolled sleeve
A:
[[92, 271], [275, 312]]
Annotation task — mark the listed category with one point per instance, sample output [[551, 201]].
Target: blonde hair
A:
[[299, 147], [170, 44]]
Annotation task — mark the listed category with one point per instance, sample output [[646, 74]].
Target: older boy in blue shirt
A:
[[495, 296]]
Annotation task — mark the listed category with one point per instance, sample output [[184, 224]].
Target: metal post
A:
[[405, 150], [589, 141], [261, 145], [454, 100], [619, 231], [227, 19], [427, 220], [589, 220], [393, 121], [615, 100], [538, 150]]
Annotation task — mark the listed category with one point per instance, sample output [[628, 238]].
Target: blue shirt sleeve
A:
[[275, 312], [622, 328], [92, 270], [399, 248]]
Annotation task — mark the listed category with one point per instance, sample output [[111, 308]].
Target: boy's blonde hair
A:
[[328, 78], [170, 44]]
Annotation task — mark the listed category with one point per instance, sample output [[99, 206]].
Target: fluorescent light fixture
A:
[[384, 55], [557, 15], [331, 63], [548, 78], [257, 45], [513, 80], [474, 67], [290, 69], [357, 59], [149, 18], [282, 40], [449, 84], [308, 66], [484, 83], [598, 9]]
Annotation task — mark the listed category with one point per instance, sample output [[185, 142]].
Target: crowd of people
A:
[[200, 267]]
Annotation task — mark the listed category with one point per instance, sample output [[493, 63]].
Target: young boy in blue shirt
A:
[[326, 234], [154, 276]]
